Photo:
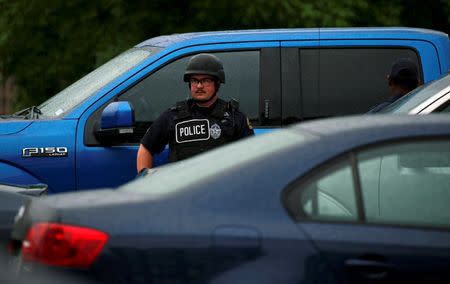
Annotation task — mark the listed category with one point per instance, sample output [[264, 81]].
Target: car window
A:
[[445, 108], [411, 185], [162, 89], [404, 183], [328, 195]]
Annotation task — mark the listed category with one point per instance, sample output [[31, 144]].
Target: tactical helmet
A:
[[206, 64]]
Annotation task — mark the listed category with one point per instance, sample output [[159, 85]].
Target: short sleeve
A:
[[157, 136]]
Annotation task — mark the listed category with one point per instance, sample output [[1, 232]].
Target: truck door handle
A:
[[370, 269]]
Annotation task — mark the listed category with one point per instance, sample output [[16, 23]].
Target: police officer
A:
[[198, 124]]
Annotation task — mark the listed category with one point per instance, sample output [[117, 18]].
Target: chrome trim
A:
[[432, 103]]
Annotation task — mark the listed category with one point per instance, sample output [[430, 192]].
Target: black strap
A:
[[233, 104], [220, 109], [183, 110]]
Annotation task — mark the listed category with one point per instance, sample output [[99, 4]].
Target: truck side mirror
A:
[[117, 123]]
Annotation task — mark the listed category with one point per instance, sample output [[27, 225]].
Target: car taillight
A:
[[63, 245]]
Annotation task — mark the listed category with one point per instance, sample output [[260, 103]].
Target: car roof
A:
[[377, 126], [323, 140], [293, 34], [311, 142]]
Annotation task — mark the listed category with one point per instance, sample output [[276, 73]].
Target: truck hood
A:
[[13, 126]]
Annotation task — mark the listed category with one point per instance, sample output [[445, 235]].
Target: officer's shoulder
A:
[[169, 113], [233, 104], [177, 107], [181, 105], [240, 115]]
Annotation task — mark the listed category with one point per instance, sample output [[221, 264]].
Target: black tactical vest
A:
[[191, 136]]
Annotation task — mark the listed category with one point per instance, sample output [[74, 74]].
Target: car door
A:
[[251, 78], [381, 215]]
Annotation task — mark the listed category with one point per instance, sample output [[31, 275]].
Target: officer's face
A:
[[203, 87]]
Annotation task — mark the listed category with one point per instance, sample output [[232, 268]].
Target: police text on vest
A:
[[192, 130]]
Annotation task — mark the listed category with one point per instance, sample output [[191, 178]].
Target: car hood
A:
[[8, 127]]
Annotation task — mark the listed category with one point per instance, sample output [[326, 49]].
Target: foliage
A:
[[48, 44]]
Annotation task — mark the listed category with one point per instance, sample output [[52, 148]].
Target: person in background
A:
[[403, 78]]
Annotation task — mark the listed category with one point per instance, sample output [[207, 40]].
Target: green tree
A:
[[48, 44]]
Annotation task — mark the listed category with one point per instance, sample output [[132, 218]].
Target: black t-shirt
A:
[[161, 131]]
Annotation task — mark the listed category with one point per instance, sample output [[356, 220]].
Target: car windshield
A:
[[418, 96], [76, 93], [174, 177]]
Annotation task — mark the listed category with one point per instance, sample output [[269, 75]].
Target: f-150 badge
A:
[[44, 152]]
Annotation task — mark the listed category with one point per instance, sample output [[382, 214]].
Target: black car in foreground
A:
[[362, 199], [12, 198]]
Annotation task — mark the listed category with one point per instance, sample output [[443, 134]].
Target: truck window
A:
[[343, 81], [162, 89]]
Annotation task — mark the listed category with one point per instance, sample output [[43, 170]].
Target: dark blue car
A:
[[362, 199], [11, 199]]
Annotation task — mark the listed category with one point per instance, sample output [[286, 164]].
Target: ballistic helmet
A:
[[205, 64]]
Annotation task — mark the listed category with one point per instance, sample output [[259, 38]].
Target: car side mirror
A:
[[117, 123]]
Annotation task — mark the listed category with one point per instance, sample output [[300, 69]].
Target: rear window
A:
[[342, 81]]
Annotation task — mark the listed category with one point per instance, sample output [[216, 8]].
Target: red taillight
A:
[[63, 245]]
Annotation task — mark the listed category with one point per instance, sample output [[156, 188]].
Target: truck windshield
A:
[[71, 96]]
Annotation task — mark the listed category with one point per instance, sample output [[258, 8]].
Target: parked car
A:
[[87, 135], [433, 97], [11, 200], [343, 200]]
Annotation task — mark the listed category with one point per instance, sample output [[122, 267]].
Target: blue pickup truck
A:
[[87, 135]]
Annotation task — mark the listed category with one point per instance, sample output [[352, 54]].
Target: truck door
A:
[[252, 77]]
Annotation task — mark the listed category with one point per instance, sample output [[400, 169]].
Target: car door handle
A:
[[370, 269]]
